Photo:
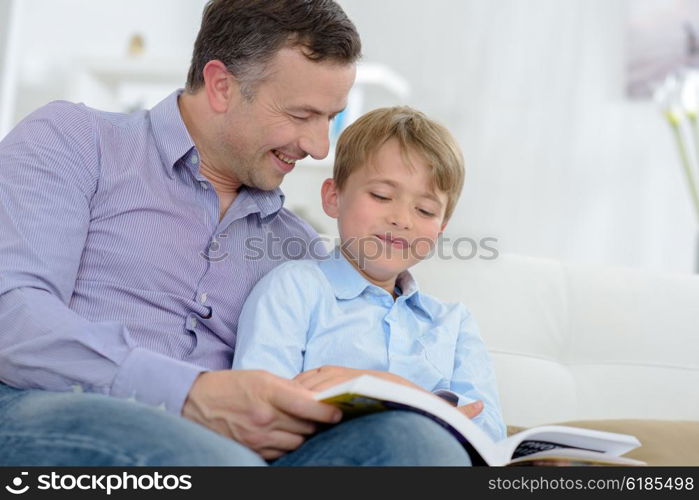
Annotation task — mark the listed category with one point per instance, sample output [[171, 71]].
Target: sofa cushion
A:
[[663, 442], [576, 342]]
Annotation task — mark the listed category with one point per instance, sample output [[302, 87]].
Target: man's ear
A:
[[219, 85], [329, 195]]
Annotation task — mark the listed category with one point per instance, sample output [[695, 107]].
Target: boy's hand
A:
[[471, 409], [268, 414], [326, 376]]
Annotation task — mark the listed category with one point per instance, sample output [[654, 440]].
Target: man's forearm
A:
[[44, 344]]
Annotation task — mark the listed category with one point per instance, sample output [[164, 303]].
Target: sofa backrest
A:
[[573, 342]]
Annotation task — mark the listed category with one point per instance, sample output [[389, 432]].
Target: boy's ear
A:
[[329, 196]]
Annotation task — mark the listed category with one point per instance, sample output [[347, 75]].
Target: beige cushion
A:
[[663, 442]]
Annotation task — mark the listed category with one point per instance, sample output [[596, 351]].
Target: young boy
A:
[[396, 180]]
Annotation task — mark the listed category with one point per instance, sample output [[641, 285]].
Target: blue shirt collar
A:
[[348, 283], [410, 290], [169, 132]]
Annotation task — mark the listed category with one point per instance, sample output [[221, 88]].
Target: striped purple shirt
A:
[[116, 275]]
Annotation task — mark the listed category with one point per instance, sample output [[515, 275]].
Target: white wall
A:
[[7, 77], [4, 28], [58, 36], [560, 163]]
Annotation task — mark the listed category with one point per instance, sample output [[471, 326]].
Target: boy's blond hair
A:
[[416, 134]]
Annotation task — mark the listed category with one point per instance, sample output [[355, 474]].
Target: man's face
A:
[[389, 214], [286, 120]]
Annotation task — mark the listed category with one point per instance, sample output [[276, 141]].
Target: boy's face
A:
[[389, 214]]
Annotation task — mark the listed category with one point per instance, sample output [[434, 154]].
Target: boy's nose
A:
[[400, 219]]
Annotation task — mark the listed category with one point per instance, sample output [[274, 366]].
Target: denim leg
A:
[[387, 438], [69, 429]]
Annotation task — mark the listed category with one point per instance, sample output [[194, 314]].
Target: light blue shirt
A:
[[305, 314]]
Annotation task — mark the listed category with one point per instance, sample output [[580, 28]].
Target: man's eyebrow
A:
[[393, 184], [313, 111]]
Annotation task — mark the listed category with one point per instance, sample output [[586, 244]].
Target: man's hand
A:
[[326, 376], [266, 413]]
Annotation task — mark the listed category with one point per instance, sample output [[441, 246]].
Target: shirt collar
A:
[[174, 142], [410, 290], [348, 283], [169, 131], [267, 203]]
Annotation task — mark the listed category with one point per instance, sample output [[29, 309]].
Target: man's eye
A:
[[300, 118], [379, 197]]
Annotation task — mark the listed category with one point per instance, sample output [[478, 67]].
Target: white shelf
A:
[[114, 72], [125, 84]]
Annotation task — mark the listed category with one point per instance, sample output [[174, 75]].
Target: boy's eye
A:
[[425, 212], [379, 197]]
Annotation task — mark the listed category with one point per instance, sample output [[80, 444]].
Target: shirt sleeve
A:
[[275, 319], [474, 378], [49, 169]]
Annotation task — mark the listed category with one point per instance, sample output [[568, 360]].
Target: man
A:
[[123, 269]]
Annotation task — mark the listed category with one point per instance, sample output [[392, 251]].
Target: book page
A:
[[570, 457], [556, 436], [529, 446]]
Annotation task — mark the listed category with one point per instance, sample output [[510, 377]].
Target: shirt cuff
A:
[[464, 400], [155, 379]]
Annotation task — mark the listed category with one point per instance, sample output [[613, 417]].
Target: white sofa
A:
[[573, 342]]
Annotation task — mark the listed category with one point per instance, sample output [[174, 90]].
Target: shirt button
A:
[[192, 323], [204, 184], [194, 159], [209, 311], [202, 298]]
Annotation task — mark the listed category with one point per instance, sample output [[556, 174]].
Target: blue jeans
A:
[[69, 429]]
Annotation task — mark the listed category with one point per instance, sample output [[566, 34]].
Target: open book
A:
[[552, 444]]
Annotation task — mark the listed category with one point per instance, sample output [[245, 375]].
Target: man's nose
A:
[[314, 140]]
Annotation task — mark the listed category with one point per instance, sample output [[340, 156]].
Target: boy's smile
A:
[[389, 213], [396, 242]]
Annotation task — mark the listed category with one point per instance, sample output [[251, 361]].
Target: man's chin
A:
[[268, 184]]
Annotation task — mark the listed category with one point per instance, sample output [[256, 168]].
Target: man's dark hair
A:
[[245, 35]]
